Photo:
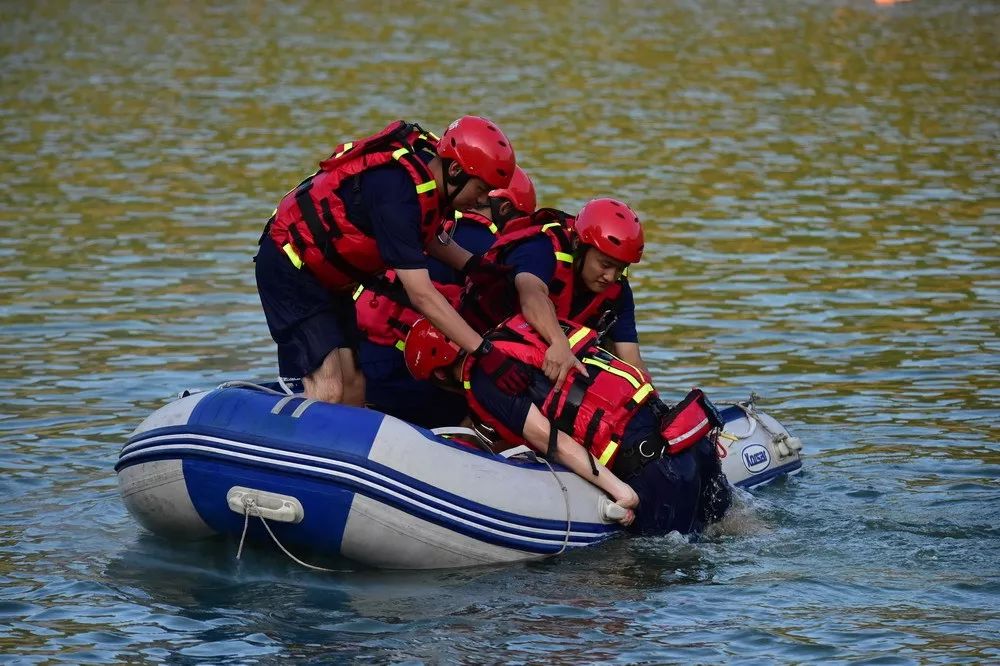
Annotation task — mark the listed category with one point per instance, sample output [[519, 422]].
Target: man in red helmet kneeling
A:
[[374, 204], [569, 268], [606, 424]]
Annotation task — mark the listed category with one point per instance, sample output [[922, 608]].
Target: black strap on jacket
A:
[[571, 406], [588, 438], [553, 445], [322, 236]]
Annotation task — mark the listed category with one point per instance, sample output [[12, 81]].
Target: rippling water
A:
[[819, 184]]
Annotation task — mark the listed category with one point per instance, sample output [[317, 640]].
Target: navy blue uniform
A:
[[305, 319], [471, 235], [389, 386], [683, 492]]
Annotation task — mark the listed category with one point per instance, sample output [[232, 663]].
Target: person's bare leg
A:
[[326, 382], [352, 378]]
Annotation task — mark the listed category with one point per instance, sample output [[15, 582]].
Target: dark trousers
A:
[[685, 492]]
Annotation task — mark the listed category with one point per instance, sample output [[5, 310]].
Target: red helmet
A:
[[612, 227], [520, 192], [480, 148], [427, 349]]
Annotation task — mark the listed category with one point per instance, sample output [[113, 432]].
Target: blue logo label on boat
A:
[[756, 458]]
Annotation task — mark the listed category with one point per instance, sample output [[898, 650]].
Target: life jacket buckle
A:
[[654, 453]]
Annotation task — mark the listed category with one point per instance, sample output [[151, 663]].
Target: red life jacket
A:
[[471, 216], [594, 410], [311, 225], [486, 306], [384, 312]]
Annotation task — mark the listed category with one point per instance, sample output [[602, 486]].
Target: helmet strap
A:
[[457, 182]]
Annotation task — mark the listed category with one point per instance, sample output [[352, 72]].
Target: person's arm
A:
[[538, 310], [574, 457], [452, 254], [629, 352], [427, 300]]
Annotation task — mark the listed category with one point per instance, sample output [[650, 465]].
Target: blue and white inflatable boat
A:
[[328, 480]]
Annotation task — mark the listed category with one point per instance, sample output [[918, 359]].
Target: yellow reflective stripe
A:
[[399, 153], [579, 335], [637, 370], [641, 394], [347, 146], [615, 371], [292, 254], [609, 451], [426, 187], [467, 385], [550, 225], [493, 228], [357, 292], [564, 257], [625, 272], [400, 345]]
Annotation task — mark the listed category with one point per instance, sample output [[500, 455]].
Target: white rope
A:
[[243, 384], [751, 420], [565, 492], [751, 412], [246, 523], [250, 506]]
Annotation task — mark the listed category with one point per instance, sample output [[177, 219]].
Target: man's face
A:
[[473, 195], [598, 271]]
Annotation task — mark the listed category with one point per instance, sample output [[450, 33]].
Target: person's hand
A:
[[628, 500], [559, 361], [627, 519], [481, 271], [510, 375]]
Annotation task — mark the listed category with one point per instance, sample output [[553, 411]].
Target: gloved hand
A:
[[481, 271], [511, 376]]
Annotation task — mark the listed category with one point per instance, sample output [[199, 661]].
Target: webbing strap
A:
[[595, 422], [321, 237], [553, 445], [574, 398]]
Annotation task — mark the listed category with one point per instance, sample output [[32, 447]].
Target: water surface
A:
[[819, 187]]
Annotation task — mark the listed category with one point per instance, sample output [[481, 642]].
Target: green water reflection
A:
[[818, 182]]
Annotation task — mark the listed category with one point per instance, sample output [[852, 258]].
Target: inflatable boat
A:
[[331, 481]]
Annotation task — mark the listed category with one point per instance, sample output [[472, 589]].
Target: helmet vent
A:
[[614, 240]]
